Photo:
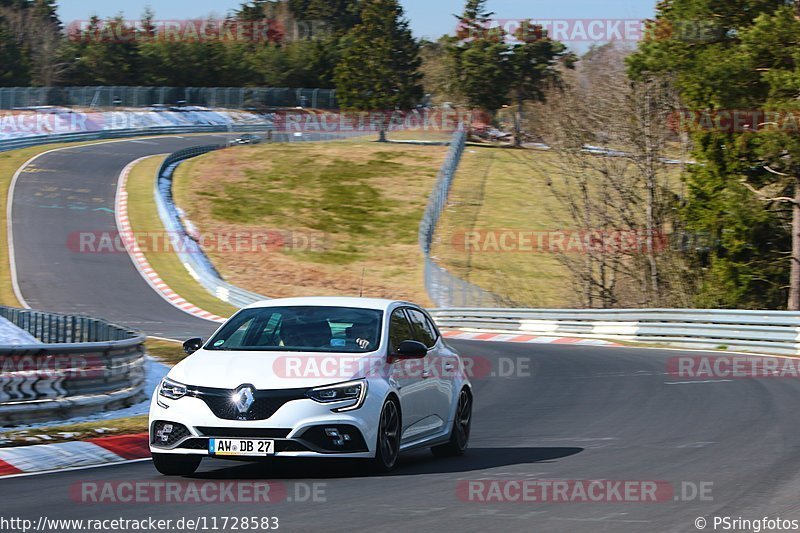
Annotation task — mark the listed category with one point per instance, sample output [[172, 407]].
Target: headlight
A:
[[355, 391], [171, 389]]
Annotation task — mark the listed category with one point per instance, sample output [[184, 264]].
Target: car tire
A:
[[387, 448], [176, 465], [459, 435]]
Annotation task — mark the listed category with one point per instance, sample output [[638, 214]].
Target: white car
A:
[[313, 377]]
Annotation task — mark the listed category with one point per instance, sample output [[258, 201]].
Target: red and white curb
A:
[[153, 279], [525, 339], [94, 452], [138, 257]]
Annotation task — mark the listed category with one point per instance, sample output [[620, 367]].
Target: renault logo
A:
[[243, 398]]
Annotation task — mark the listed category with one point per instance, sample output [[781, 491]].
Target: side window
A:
[[433, 327], [422, 328], [399, 330]]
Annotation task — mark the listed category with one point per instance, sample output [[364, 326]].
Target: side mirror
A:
[[410, 350], [192, 345]]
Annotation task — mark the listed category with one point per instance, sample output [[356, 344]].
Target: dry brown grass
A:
[[359, 201]]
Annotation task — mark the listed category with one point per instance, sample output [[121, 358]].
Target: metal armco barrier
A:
[[189, 252], [83, 365], [26, 142], [770, 332]]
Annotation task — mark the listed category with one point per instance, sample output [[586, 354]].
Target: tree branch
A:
[[766, 198]]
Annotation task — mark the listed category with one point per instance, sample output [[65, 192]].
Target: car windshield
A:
[[308, 329]]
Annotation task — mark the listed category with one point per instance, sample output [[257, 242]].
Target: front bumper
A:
[[298, 428]]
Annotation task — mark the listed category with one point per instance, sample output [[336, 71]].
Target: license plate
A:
[[241, 447]]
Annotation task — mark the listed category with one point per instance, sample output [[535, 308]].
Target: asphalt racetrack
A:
[[574, 413], [67, 192]]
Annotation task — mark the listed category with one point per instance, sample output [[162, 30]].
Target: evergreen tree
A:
[[481, 59], [533, 63], [13, 71], [107, 54], [379, 67], [736, 55]]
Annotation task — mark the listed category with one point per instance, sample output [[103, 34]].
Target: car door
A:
[[440, 367], [409, 375]]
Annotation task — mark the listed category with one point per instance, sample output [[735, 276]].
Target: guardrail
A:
[[83, 365], [770, 332], [36, 140], [189, 252]]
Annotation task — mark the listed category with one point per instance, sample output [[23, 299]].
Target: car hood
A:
[[273, 370]]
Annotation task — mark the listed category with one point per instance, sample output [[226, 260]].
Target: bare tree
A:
[[608, 139]]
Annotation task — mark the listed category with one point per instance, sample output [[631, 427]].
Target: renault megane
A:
[[313, 377]]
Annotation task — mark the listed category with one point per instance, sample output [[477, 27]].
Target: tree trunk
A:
[[794, 276], [518, 122], [651, 200]]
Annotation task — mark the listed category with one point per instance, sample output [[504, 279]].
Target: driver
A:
[[362, 335]]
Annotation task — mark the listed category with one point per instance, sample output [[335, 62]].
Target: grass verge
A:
[[336, 211], [507, 191], [73, 432], [502, 190], [144, 220], [169, 353]]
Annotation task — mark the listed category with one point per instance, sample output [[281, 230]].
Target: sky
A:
[[429, 18]]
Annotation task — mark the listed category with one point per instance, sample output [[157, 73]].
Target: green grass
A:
[[361, 201], [498, 190], [506, 189], [169, 353], [336, 196], [73, 432], [144, 219], [10, 162]]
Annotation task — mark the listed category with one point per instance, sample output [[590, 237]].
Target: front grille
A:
[[194, 444], [290, 446], [265, 402], [165, 439], [250, 433]]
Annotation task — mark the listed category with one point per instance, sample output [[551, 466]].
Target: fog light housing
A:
[[337, 438]]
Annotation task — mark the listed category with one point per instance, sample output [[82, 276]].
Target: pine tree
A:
[[333, 17], [379, 67], [533, 63], [13, 71], [480, 59], [736, 55]]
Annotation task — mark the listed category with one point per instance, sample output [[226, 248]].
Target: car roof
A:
[[331, 301]]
